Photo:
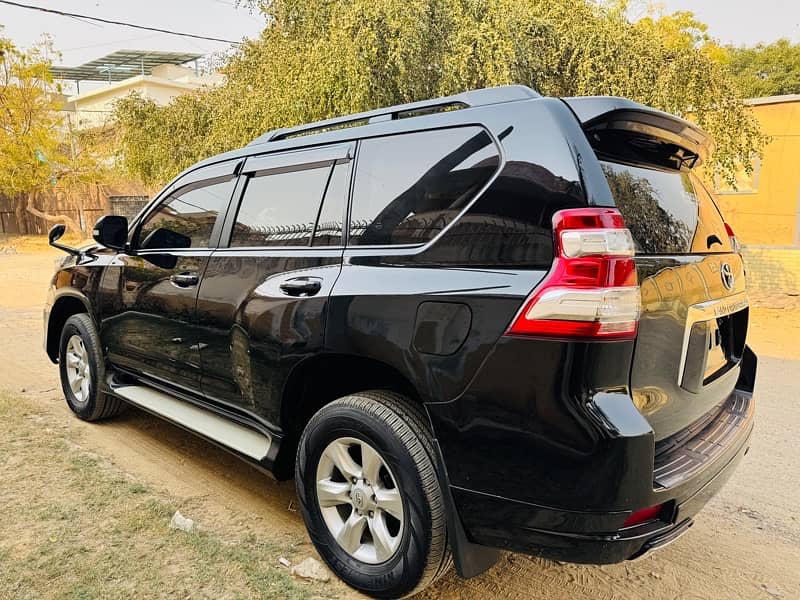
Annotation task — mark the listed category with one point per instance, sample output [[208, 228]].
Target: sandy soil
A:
[[746, 544]]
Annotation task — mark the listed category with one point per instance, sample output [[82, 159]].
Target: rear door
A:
[[264, 297], [694, 310]]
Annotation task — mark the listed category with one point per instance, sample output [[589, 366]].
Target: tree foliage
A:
[[324, 58], [38, 148], [766, 69]]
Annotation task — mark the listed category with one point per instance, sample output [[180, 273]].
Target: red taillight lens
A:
[[734, 241], [643, 516], [591, 291]]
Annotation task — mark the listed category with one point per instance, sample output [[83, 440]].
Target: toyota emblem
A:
[[726, 273]]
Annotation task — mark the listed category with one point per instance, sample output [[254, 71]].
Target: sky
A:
[[741, 22], [81, 41]]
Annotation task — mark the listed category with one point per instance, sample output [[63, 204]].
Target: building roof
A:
[[122, 64], [773, 99]]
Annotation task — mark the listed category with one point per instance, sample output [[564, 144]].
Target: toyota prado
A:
[[492, 321]]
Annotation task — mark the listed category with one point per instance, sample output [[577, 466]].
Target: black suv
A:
[[489, 321]]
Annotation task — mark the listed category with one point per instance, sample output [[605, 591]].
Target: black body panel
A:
[[148, 322], [543, 446], [251, 332]]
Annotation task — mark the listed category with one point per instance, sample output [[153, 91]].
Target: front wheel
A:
[[370, 496], [81, 366]]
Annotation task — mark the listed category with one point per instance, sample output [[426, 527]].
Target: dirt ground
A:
[[745, 544]]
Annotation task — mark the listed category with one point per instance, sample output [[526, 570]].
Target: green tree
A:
[[318, 59], [38, 149], [766, 69]]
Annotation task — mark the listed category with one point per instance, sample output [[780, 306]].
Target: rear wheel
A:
[[370, 496], [81, 367]]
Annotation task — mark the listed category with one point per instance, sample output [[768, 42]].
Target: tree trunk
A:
[[22, 221], [68, 221]]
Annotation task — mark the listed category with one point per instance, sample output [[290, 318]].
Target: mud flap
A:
[[747, 373], [470, 559]]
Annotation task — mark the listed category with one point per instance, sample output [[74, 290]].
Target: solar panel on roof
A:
[[122, 64]]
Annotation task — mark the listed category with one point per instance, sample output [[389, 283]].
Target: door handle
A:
[[184, 279], [301, 286]]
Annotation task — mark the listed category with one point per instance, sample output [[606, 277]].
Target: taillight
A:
[[734, 241], [591, 290]]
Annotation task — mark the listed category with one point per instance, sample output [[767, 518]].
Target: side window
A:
[[187, 217], [408, 187], [329, 223], [280, 209]]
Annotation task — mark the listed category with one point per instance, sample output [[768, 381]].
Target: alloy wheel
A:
[[78, 368], [360, 501]]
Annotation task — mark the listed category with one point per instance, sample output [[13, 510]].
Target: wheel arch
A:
[[321, 379], [63, 308]]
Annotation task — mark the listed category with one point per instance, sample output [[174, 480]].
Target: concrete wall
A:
[[766, 209], [772, 270]]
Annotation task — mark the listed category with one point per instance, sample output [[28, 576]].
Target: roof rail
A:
[[482, 97]]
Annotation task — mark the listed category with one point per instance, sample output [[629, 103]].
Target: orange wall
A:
[[769, 215]]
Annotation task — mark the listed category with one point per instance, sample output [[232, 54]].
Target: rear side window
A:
[[667, 212], [329, 224], [280, 209], [408, 187]]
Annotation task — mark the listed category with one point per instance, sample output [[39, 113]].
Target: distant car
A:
[[489, 321]]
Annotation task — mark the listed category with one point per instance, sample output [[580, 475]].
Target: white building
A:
[[159, 76]]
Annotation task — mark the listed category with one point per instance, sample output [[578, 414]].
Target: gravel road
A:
[[745, 544]]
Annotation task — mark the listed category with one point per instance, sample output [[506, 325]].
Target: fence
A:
[[82, 207]]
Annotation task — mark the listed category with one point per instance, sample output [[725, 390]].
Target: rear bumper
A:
[[584, 537], [550, 468]]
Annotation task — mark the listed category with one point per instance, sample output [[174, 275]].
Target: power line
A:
[[110, 22]]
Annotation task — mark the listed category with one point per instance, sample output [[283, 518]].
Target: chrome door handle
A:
[[184, 279], [302, 286]]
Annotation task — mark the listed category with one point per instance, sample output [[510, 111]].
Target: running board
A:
[[219, 429]]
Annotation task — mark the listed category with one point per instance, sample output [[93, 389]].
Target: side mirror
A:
[[111, 231], [56, 233]]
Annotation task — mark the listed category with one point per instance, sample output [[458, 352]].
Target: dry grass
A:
[[75, 526], [37, 243]]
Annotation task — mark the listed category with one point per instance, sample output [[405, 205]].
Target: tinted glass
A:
[[329, 224], [409, 187], [666, 211], [280, 209], [187, 217]]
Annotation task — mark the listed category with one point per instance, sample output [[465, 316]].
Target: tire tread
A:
[[105, 406], [409, 423]]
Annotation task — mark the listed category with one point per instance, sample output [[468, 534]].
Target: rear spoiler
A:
[[626, 131]]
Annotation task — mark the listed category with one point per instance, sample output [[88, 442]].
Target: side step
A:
[[219, 429]]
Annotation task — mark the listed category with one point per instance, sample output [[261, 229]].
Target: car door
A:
[[149, 295], [264, 297]]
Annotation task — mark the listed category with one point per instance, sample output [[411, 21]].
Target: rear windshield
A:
[[667, 212]]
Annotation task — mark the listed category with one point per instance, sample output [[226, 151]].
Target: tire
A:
[[81, 367], [390, 425]]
